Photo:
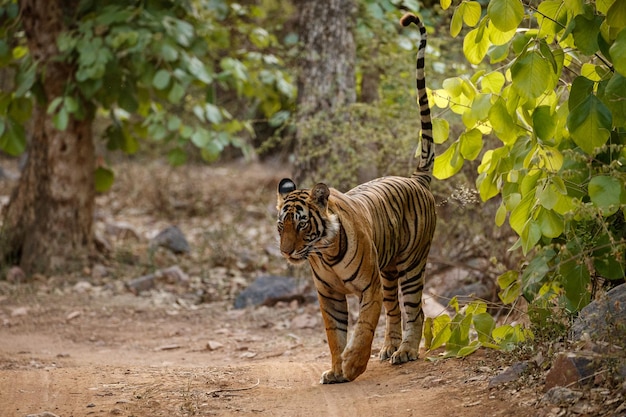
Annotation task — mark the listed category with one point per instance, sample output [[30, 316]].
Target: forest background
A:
[[529, 114]]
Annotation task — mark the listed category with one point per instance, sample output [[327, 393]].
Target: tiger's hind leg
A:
[[393, 323], [412, 285]]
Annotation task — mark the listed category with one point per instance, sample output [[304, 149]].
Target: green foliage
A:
[[165, 71], [556, 105], [470, 328]]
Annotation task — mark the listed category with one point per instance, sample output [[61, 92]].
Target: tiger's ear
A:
[[285, 186], [319, 195]]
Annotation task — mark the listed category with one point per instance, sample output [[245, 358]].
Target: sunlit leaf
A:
[[448, 163], [441, 130], [474, 47], [506, 14]]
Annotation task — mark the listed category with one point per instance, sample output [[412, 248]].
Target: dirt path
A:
[[76, 355]]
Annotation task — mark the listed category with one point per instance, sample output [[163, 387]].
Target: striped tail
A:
[[427, 154]]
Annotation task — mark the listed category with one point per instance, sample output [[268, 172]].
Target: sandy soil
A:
[[79, 355]]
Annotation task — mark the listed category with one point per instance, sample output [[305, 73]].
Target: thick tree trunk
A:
[[48, 222], [327, 70]]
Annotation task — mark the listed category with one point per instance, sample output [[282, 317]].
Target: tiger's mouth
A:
[[298, 257]]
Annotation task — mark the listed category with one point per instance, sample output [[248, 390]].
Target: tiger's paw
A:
[[404, 354], [387, 351], [355, 362], [330, 377]]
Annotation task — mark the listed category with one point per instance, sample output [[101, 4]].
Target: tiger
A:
[[372, 241]]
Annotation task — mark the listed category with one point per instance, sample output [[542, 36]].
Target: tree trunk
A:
[[326, 80], [48, 222]]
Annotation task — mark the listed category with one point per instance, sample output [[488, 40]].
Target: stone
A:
[[604, 319], [171, 238], [569, 369], [267, 289], [561, 396], [510, 374]]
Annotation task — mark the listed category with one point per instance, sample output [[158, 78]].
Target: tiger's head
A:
[[304, 222]]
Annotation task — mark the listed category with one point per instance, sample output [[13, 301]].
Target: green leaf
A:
[[586, 32], [506, 15], [551, 223], [441, 130], [532, 75], [484, 325], [213, 113], [471, 144], [61, 119], [103, 179], [616, 15], [521, 214], [13, 138], [510, 287], [615, 99], [441, 331], [177, 92], [161, 79], [551, 17], [456, 23], [475, 47], [492, 82], [544, 122], [25, 78], [177, 157], [448, 163], [471, 12], [589, 123], [445, 4], [605, 192], [576, 282], [503, 124], [618, 52]]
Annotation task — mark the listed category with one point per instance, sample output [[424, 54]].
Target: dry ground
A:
[[82, 344]]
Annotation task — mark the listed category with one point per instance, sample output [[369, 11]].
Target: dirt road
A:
[[85, 355]]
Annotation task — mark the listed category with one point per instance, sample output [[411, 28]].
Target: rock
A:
[[561, 396], [171, 238], [604, 319], [44, 414], [82, 287], [213, 345], [172, 274], [15, 275], [19, 311], [73, 315], [510, 374], [570, 368], [267, 289]]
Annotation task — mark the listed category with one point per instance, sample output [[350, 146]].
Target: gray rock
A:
[[561, 396], [510, 374], [171, 238], [268, 289], [604, 319]]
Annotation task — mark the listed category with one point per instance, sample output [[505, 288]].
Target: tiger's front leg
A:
[[334, 309], [358, 351]]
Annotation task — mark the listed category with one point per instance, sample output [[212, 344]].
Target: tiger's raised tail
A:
[[427, 155]]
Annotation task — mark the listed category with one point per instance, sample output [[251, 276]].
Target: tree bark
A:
[[48, 222], [326, 79]]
